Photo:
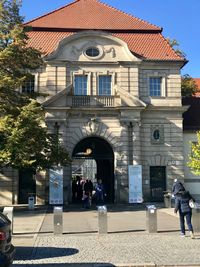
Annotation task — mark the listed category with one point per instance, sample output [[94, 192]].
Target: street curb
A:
[[143, 265]]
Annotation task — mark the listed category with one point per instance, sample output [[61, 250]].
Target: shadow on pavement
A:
[[65, 264], [30, 253]]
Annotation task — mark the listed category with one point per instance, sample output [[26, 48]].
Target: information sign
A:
[[135, 183], [56, 186]]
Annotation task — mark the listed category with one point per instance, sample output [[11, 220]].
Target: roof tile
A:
[[143, 38], [148, 46], [90, 14]]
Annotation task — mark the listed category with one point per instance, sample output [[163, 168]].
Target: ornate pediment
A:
[[110, 48]]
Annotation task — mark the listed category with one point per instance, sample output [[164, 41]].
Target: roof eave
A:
[[182, 62], [53, 29]]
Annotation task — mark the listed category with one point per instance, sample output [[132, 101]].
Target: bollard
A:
[[8, 211], [58, 220], [102, 219], [167, 200], [196, 218], [31, 203], [151, 219]]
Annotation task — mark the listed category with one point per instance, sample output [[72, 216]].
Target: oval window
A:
[[92, 52], [156, 135]]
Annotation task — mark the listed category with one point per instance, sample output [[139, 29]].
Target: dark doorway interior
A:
[[157, 183], [102, 153], [27, 185]]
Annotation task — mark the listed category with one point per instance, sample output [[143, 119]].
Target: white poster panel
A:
[[56, 186], [135, 183]]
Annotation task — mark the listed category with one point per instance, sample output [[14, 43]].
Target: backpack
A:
[[185, 203]]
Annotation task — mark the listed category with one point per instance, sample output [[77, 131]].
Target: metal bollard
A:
[[8, 211], [151, 219], [31, 203], [167, 200], [58, 220], [102, 219], [196, 218]]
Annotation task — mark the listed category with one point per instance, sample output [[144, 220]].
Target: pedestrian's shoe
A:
[[192, 235], [182, 235]]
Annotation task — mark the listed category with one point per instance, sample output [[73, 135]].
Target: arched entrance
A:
[[100, 151]]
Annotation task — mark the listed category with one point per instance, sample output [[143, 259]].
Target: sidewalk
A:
[[127, 243]]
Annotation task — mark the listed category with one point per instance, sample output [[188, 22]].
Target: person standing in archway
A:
[[100, 193]]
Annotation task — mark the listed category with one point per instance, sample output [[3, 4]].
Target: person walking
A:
[[185, 212], [100, 193], [177, 187]]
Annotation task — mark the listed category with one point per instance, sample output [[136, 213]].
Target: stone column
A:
[[133, 140]]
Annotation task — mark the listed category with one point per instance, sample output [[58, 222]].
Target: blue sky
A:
[[179, 19]]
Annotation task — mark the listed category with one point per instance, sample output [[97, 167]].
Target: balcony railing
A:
[[93, 101]]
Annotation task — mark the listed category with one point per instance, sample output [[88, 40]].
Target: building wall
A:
[[192, 182], [9, 186], [134, 115]]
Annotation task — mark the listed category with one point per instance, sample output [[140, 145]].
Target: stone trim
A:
[[192, 180]]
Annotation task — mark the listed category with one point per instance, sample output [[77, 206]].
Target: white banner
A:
[[135, 183], [56, 186]]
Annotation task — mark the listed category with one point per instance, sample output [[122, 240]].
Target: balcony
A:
[[93, 101]]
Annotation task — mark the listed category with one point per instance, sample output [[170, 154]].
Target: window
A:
[[157, 134], [28, 85], [105, 85], [80, 85], [155, 86], [92, 52]]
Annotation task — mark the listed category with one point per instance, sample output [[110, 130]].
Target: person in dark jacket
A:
[[100, 193], [177, 187], [182, 205]]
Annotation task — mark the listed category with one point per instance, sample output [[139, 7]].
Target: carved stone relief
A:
[[102, 49]]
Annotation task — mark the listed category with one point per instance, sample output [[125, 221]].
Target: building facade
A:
[[113, 89], [191, 125]]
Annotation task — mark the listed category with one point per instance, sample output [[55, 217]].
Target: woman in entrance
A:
[[182, 205], [100, 193]]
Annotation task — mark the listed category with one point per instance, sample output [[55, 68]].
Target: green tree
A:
[[194, 162], [175, 45], [27, 144], [24, 141], [17, 59], [188, 86]]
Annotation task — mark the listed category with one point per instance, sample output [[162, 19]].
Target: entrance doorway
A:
[[27, 185], [96, 161], [157, 182]]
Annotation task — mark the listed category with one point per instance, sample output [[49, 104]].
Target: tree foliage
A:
[[194, 162], [188, 86], [24, 141], [175, 45], [16, 58]]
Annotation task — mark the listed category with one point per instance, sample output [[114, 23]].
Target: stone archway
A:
[[100, 150]]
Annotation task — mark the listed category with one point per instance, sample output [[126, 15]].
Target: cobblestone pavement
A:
[[116, 249], [127, 244]]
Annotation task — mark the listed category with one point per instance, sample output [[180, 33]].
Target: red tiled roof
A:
[[90, 14], [143, 38], [146, 45], [197, 81]]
